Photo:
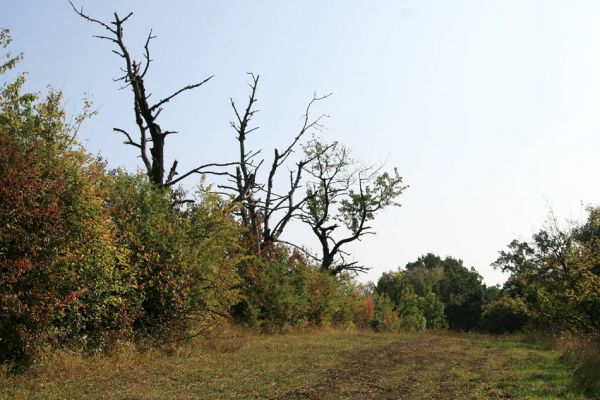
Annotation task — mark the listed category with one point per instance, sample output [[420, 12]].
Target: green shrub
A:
[[274, 292], [64, 279], [385, 320], [184, 260], [504, 315], [331, 300], [433, 311]]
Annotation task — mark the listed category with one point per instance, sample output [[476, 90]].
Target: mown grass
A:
[[317, 365]]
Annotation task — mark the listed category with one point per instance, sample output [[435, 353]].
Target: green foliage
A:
[[62, 275], [504, 315], [462, 292], [459, 289], [424, 280], [411, 317], [332, 300], [414, 312], [344, 194], [87, 257], [557, 274], [445, 293], [386, 319], [9, 61], [360, 206], [274, 292], [184, 260], [284, 291], [433, 311]]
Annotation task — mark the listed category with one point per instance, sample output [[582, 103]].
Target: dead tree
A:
[[344, 194], [264, 210], [151, 139]]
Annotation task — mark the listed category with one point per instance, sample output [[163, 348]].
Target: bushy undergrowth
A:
[[63, 276], [283, 291]]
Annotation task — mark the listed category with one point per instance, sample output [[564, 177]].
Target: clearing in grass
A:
[[308, 366]]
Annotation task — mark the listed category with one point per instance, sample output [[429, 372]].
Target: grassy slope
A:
[[308, 366]]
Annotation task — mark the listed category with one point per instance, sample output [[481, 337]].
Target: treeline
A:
[[554, 286], [432, 293]]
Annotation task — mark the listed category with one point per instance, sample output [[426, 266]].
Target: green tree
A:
[[432, 309], [343, 194], [274, 291], [408, 306], [504, 315], [385, 319], [459, 289], [557, 274]]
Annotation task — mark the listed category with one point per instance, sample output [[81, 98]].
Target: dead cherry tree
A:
[[151, 137], [265, 211]]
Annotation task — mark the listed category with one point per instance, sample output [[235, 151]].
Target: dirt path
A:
[[422, 367]]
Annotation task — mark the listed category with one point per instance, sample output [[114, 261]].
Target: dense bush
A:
[[87, 257], [274, 292], [504, 315], [557, 275], [283, 290], [385, 318], [332, 301], [460, 289], [413, 311], [184, 260], [433, 311], [63, 277]]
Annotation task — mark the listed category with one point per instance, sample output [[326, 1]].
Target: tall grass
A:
[[581, 351]]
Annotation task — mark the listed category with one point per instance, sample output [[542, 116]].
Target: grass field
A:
[[307, 366]]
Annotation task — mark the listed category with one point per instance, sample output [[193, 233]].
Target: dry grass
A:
[[321, 365]]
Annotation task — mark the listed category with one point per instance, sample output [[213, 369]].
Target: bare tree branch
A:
[[145, 114]]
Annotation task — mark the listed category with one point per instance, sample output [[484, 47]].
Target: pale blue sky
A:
[[490, 109]]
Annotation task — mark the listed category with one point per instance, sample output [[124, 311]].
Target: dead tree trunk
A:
[[265, 211], [146, 114]]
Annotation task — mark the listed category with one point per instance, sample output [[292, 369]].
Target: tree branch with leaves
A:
[[344, 196]]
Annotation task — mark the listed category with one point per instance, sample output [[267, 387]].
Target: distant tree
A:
[[424, 279], [344, 194], [462, 292], [433, 311], [429, 262], [385, 318], [151, 137], [416, 312], [460, 289]]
